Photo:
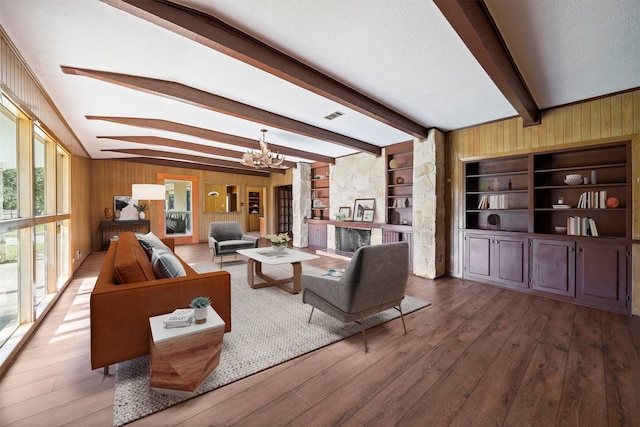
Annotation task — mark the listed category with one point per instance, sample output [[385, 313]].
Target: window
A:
[[8, 161], [34, 220], [9, 243], [39, 155]]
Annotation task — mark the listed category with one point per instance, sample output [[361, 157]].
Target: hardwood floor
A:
[[480, 355]]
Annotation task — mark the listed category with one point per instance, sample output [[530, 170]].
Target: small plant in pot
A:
[[199, 305], [141, 208]]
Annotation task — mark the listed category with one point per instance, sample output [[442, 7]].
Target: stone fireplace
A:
[[350, 239]]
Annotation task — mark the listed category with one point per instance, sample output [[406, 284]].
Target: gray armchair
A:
[[374, 281], [227, 237]]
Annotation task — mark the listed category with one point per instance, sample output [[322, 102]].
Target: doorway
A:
[[178, 215], [284, 209]]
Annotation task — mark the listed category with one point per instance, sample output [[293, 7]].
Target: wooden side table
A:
[[182, 358]]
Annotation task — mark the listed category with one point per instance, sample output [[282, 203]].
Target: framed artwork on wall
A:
[[345, 212], [125, 205], [360, 205]]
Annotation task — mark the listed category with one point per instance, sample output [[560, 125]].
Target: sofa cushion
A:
[[131, 262], [229, 246], [149, 241], [166, 264]]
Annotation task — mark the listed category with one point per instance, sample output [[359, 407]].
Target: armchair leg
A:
[[105, 371], [402, 317], [364, 335], [311, 314]]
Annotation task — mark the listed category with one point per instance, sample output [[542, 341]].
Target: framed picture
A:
[[360, 205], [125, 204], [345, 211], [367, 215]]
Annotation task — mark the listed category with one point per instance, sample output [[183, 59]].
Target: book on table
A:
[[179, 318]]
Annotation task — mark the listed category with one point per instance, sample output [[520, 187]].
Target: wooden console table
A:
[[116, 227]]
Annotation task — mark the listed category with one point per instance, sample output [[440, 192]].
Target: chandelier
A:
[[263, 158]]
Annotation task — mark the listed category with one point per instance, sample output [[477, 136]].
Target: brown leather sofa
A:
[[120, 312]]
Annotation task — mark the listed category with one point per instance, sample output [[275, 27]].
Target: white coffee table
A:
[[269, 256], [182, 358]]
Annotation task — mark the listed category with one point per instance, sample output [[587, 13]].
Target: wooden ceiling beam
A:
[[187, 165], [219, 104], [143, 152], [200, 133], [475, 26], [216, 34]]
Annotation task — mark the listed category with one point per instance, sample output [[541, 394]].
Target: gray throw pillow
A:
[[166, 264], [149, 241]]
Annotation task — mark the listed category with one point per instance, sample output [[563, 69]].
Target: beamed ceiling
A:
[[191, 83]]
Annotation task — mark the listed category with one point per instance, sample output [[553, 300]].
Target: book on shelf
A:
[[561, 206], [494, 201], [581, 226], [179, 318], [592, 200]]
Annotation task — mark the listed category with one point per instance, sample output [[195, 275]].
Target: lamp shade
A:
[[147, 191]]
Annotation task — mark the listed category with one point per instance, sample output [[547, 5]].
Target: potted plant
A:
[[199, 305], [278, 241], [141, 208]]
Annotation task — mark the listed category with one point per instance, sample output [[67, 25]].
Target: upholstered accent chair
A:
[[226, 237], [375, 280]]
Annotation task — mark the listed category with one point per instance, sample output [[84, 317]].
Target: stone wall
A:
[[301, 189], [360, 176], [429, 238]]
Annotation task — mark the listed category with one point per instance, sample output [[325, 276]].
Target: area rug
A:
[[269, 327]]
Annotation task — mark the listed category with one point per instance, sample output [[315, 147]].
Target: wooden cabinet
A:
[[528, 198], [317, 235], [553, 266], [500, 259], [400, 183], [601, 274], [320, 200]]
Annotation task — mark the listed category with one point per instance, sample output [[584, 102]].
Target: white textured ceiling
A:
[[403, 54]]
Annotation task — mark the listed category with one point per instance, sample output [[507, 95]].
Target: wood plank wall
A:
[[114, 178], [20, 84], [608, 119]]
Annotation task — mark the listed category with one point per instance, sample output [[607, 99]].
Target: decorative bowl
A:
[[561, 230], [573, 181], [573, 176]]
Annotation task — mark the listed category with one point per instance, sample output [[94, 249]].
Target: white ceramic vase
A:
[[278, 247], [200, 314], [141, 215]]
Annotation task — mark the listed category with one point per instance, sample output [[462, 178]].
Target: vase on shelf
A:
[[141, 215]]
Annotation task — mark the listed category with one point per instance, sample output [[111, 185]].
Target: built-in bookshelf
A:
[[320, 200], [400, 183], [556, 223], [607, 166], [497, 194]]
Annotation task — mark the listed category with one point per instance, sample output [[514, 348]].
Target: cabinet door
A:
[[478, 256], [511, 261], [553, 264], [601, 274], [318, 236]]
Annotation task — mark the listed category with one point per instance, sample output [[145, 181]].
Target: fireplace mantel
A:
[[360, 224]]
